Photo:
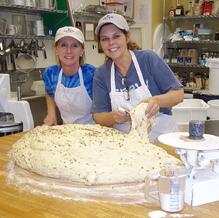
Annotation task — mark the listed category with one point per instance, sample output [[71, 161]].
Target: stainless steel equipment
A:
[[20, 110], [8, 125]]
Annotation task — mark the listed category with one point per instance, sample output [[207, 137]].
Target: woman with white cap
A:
[[69, 85], [130, 77]]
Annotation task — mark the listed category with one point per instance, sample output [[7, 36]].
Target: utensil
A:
[[11, 49], [3, 61], [20, 22], [12, 30], [3, 26], [44, 50], [25, 63]]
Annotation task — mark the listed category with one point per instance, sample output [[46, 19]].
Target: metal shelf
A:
[[188, 66], [29, 10], [210, 44], [91, 16], [5, 36], [207, 17], [196, 68]]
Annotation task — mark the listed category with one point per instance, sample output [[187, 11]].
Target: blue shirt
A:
[[156, 73], [51, 74]]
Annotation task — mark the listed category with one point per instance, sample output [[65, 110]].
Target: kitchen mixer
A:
[[201, 158], [20, 109]]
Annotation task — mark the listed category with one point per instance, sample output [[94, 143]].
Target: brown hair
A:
[[81, 59], [131, 45]]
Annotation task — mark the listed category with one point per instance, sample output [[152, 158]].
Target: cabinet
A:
[[187, 55], [52, 18]]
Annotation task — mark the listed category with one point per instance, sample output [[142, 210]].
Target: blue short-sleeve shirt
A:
[[156, 73], [51, 74]]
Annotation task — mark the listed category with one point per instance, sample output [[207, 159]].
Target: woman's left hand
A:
[[153, 107], [121, 117]]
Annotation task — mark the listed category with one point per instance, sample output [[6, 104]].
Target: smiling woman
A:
[[70, 82], [130, 77]]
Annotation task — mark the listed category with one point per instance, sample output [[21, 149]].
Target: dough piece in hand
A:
[[141, 125]]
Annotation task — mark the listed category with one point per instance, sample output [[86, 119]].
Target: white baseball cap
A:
[[116, 19], [69, 31]]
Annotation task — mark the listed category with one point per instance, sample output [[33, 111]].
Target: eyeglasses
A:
[[126, 90]]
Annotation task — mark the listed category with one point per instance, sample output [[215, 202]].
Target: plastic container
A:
[[213, 111], [39, 87], [213, 64], [190, 109]]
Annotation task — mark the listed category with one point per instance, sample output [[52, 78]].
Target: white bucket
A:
[[189, 109], [213, 64], [213, 111]]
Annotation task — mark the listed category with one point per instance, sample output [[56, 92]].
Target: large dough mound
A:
[[89, 154]]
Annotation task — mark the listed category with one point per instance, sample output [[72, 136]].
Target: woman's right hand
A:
[[121, 117], [50, 120]]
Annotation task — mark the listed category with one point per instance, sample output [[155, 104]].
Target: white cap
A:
[[116, 19], [69, 31]]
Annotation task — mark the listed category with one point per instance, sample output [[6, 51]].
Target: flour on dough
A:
[[90, 154]]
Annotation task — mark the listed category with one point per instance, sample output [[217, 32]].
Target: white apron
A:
[[164, 123], [74, 103]]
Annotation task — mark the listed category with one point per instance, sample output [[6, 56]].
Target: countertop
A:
[[14, 203]]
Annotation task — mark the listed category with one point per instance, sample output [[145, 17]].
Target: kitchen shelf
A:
[[53, 18], [207, 17], [94, 17], [196, 68], [26, 37], [181, 49], [29, 10], [210, 44]]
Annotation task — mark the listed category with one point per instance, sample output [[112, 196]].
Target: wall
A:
[[141, 31], [157, 15]]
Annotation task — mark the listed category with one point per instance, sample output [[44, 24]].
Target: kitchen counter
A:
[[14, 203]]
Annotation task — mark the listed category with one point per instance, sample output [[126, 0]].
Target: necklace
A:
[[126, 89]]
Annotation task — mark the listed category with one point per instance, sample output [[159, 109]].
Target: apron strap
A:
[[81, 77], [60, 76], [137, 67], [79, 73], [138, 70], [113, 82]]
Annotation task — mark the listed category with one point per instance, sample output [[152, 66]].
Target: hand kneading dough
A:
[[141, 125], [90, 154]]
